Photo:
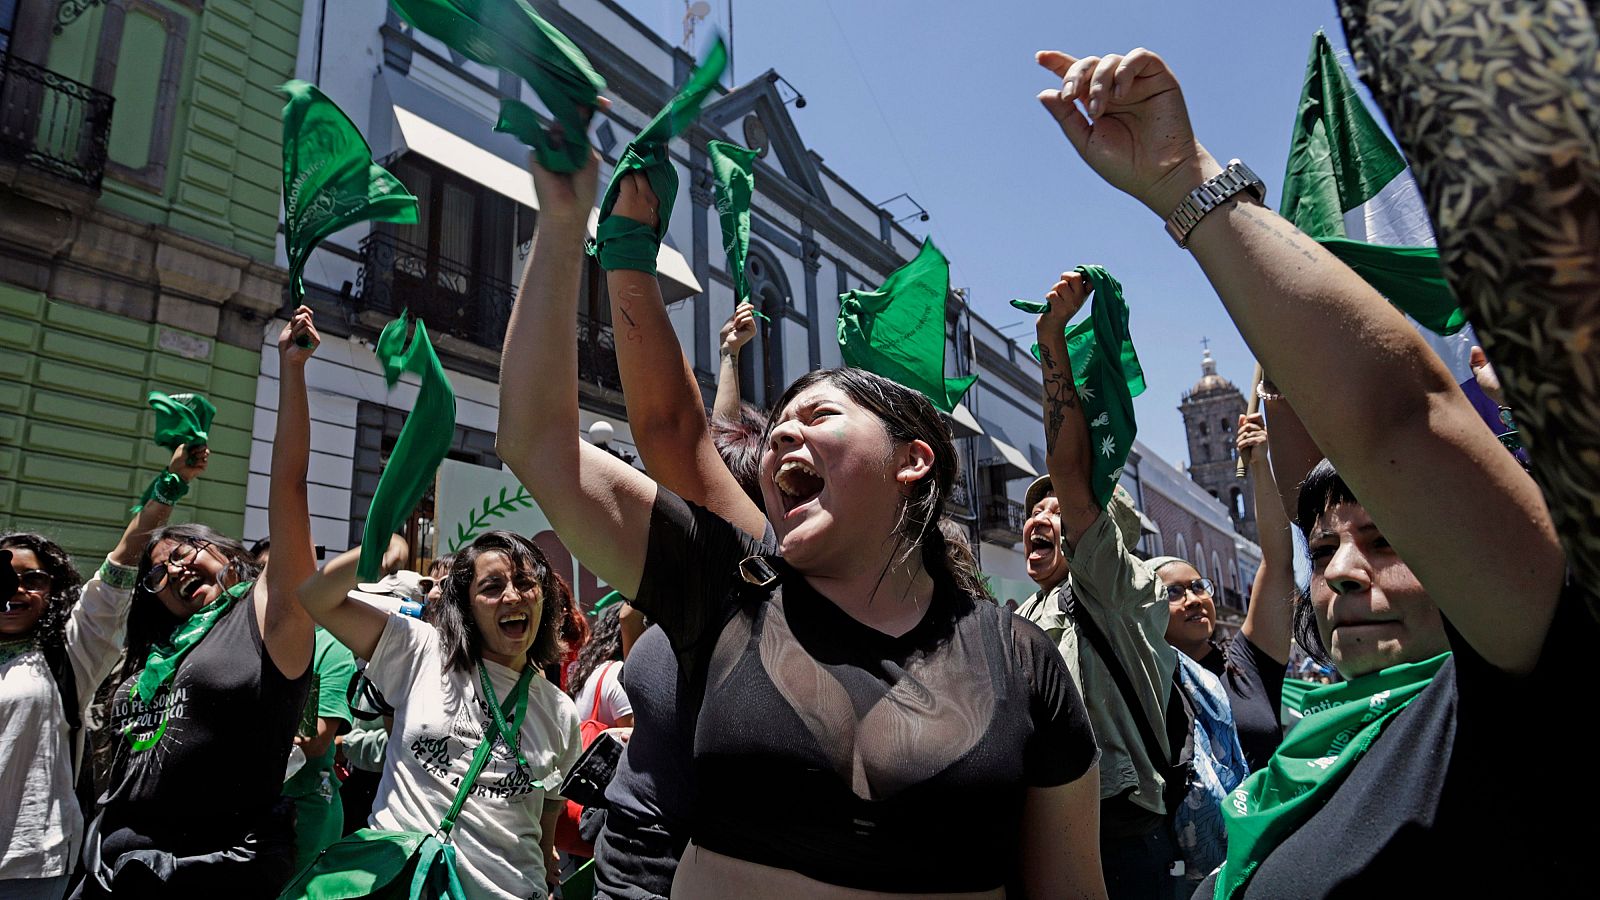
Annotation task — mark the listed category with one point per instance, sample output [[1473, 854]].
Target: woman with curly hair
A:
[[477, 649], [59, 638]]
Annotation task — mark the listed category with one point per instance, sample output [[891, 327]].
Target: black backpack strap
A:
[[66, 679], [1174, 771]]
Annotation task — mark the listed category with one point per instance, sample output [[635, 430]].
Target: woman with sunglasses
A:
[[59, 638], [211, 692]]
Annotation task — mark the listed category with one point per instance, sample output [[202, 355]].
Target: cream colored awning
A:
[[963, 424], [418, 135]]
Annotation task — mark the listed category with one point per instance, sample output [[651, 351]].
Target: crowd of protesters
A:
[[812, 687]]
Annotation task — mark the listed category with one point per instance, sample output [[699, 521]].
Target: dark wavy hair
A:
[[605, 645], [452, 614], [1322, 490], [907, 416], [149, 622], [65, 586], [739, 441]]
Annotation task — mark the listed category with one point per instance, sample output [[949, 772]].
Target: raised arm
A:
[[1267, 621], [736, 332], [285, 626], [1066, 434], [1292, 454], [1372, 394], [325, 595], [599, 505], [664, 407], [187, 463]]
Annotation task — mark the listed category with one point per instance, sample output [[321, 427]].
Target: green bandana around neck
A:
[[423, 442], [181, 419], [12, 649], [162, 664], [733, 170], [514, 707], [620, 242], [509, 35], [329, 179], [1107, 374], [1340, 725], [898, 331]]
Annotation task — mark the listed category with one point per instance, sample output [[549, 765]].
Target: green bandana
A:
[[1341, 722], [508, 34], [423, 442], [329, 179], [10, 650], [515, 707], [620, 242], [181, 419], [607, 600], [1412, 274], [1107, 374], [733, 168], [898, 332], [162, 663], [166, 488]]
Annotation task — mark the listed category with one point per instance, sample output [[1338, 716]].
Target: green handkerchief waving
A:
[[508, 34], [423, 442], [620, 242], [733, 169], [181, 419], [1107, 374], [329, 179], [897, 331]]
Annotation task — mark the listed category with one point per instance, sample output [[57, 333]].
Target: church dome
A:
[[1210, 381]]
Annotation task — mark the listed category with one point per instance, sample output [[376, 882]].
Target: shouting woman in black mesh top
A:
[[865, 723]]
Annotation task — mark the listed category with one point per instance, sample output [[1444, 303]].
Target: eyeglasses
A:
[[35, 581], [185, 553], [1200, 586]]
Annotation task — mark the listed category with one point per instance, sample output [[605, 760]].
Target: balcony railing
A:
[[455, 299], [52, 123], [1001, 520], [960, 496]]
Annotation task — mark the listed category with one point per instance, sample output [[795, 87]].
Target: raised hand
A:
[[637, 201], [1483, 372], [188, 462], [565, 200], [1065, 297], [299, 339], [1251, 438], [739, 329], [1140, 139]]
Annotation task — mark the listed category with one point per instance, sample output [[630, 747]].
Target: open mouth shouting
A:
[[514, 625], [798, 484], [1040, 546], [16, 605], [189, 589]]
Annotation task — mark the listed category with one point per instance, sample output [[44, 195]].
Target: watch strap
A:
[[1235, 178]]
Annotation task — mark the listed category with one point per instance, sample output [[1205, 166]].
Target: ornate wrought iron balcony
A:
[[52, 123], [1000, 519], [455, 299]]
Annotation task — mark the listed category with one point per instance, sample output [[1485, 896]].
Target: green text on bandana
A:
[[423, 442], [329, 179], [1341, 722], [621, 242]]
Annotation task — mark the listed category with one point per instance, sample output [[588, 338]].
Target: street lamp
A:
[[601, 433]]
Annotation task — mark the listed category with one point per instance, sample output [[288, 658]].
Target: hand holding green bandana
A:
[[329, 179], [509, 35], [423, 442], [624, 243], [1107, 374], [733, 171], [1341, 722], [898, 331], [181, 419]]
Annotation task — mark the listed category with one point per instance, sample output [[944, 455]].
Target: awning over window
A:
[[963, 424], [416, 134], [1002, 453]]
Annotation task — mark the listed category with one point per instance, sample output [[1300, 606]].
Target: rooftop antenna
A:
[[693, 14]]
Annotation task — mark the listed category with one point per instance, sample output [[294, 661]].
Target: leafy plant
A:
[[478, 522]]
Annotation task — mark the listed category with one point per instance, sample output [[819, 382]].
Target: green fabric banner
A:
[[329, 179], [423, 442], [620, 242], [1341, 722], [733, 169], [1108, 376], [1411, 274], [181, 419], [509, 35], [898, 330]]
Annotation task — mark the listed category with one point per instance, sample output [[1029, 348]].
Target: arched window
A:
[[1199, 559], [1179, 543], [1216, 571], [1236, 504], [761, 373], [1205, 427]]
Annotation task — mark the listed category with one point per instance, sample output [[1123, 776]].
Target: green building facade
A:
[[139, 174]]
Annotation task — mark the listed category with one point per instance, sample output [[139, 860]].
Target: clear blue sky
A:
[[936, 98]]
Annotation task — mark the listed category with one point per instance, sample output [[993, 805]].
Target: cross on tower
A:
[[1205, 343]]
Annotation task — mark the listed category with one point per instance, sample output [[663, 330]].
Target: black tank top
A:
[[856, 758], [216, 770]]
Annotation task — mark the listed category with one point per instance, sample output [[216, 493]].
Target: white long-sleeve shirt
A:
[[41, 825]]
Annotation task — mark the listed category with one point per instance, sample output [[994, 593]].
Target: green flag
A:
[[181, 419], [1344, 171], [1107, 374], [508, 34], [898, 331], [620, 242], [329, 179], [733, 169], [423, 442]]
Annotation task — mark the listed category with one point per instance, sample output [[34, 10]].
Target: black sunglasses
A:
[[156, 579]]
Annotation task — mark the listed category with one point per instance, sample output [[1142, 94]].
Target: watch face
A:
[[755, 135]]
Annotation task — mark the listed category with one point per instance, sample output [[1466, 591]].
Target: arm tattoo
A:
[[1059, 396]]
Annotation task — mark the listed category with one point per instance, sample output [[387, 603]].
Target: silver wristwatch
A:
[[1211, 194]]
